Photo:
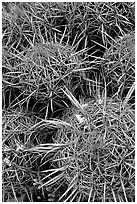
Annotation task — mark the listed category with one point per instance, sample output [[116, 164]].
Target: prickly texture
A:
[[99, 156], [120, 60], [44, 69], [19, 161], [122, 47]]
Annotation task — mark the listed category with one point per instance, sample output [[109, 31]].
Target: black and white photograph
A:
[[68, 101]]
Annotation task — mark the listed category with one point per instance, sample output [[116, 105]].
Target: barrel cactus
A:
[[45, 69], [20, 158], [120, 61], [96, 154]]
